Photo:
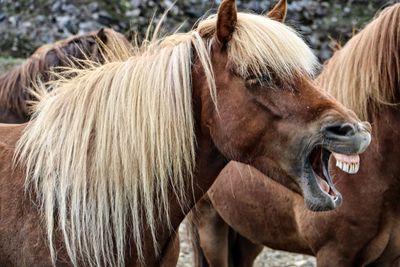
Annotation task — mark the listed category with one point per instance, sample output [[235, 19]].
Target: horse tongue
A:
[[323, 184]]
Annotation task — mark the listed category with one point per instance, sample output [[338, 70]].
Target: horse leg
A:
[[213, 234], [243, 252]]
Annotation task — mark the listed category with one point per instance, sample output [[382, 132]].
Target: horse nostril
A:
[[345, 129]]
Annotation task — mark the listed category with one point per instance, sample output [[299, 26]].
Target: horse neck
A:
[[384, 150], [209, 161]]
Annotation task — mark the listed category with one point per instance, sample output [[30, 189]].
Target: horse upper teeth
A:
[[347, 163], [348, 167]]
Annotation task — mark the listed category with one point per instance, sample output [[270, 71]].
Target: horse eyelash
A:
[[263, 80]]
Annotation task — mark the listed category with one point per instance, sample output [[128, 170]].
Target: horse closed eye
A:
[[261, 80], [269, 107]]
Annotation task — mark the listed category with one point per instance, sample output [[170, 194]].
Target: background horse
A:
[[364, 231], [118, 154], [49, 58]]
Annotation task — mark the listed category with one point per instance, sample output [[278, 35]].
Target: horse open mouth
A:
[[317, 167], [319, 162]]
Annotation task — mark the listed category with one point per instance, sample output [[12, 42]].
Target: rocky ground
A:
[[27, 24], [268, 258]]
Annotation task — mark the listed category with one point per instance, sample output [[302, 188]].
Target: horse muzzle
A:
[[344, 142]]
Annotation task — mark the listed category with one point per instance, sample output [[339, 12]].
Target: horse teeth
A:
[[347, 167], [351, 168], [339, 164], [357, 167]]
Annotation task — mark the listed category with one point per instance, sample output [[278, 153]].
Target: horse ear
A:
[[279, 11], [101, 34], [227, 18]]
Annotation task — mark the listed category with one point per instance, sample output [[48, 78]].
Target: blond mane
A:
[[108, 148], [365, 73]]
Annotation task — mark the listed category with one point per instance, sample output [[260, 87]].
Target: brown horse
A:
[[49, 58], [116, 156], [364, 231]]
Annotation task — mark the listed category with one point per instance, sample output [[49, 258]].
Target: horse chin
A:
[[317, 199]]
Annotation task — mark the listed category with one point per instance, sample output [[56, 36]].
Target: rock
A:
[[63, 20], [89, 26], [2, 16], [135, 3], [93, 7], [26, 24], [70, 9], [56, 7], [13, 20], [104, 18], [133, 13], [40, 18]]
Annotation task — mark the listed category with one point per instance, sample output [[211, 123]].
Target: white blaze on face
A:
[[347, 163]]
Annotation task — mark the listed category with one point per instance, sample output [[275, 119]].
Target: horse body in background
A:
[[364, 231], [48, 58], [117, 155]]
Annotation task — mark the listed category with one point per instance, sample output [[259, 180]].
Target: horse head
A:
[[269, 113]]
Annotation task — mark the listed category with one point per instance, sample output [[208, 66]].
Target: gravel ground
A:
[[268, 258]]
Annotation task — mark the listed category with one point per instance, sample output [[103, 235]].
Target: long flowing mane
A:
[[106, 150], [51, 57], [365, 73]]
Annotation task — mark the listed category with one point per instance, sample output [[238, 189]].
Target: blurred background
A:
[[28, 24]]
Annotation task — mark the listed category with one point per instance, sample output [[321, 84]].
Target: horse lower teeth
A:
[[348, 167]]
